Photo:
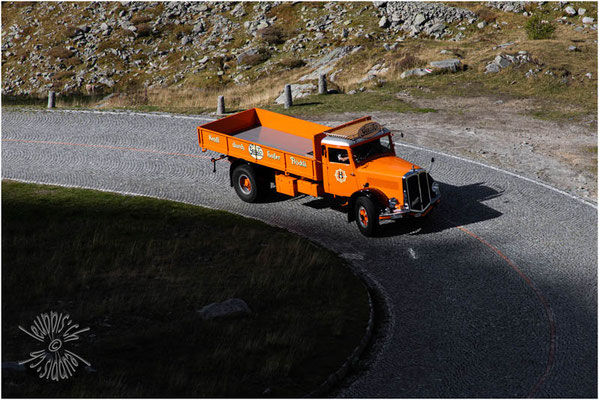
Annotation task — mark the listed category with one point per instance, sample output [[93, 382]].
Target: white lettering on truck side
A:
[[214, 139], [299, 163], [238, 146], [274, 156]]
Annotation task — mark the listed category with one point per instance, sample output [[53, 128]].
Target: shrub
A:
[[60, 52], [272, 35], [108, 44], [140, 19], [255, 59], [72, 31], [292, 62], [63, 75], [537, 29], [72, 61], [143, 30], [408, 62], [486, 15], [181, 30]]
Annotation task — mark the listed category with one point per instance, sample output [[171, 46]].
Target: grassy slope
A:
[[135, 270], [198, 91]]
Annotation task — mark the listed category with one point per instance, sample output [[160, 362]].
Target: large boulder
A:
[[241, 57], [492, 68], [571, 10], [452, 64], [419, 20], [415, 72], [436, 29], [502, 61]]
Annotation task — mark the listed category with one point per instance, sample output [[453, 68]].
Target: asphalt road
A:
[[495, 295]]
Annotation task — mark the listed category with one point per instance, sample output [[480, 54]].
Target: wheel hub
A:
[[245, 184], [363, 216]]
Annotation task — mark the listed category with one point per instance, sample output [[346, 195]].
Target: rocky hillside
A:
[[104, 47]]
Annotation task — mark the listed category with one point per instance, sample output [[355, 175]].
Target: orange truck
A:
[[354, 163]]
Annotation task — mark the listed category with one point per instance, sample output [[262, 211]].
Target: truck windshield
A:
[[374, 148]]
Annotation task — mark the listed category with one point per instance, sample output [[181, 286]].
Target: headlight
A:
[[392, 202], [435, 187]]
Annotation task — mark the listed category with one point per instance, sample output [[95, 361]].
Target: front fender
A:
[[375, 195]]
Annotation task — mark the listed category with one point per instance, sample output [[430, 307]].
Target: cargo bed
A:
[[278, 141]]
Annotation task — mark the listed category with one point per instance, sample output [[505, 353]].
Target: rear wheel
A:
[[367, 216], [246, 183]]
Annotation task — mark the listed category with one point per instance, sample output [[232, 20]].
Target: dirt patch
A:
[[500, 132]]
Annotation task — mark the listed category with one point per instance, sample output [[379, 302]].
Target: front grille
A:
[[418, 190]]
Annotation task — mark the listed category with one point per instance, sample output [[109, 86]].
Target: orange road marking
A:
[[548, 311]]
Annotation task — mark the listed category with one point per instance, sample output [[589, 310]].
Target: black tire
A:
[[246, 183], [367, 216]]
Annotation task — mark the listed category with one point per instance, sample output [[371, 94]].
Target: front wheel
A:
[[246, 183], [366, 216]]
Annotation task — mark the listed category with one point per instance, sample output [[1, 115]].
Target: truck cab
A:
[[360, 163]]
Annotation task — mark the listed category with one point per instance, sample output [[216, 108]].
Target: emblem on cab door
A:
[[340, 175]]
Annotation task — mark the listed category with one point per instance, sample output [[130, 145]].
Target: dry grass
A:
[[408, 61], [255, 59], [74, 61], [143, 30], [199, 100], [63, 75], [486, 14], [60, 52], [272, 35], [292, 62], [140, 19]]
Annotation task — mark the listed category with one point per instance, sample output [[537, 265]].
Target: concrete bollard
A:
[[51, 99], [288, 99], [322, 84], [220, 107]]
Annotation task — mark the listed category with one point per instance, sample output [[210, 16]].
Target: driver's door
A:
[[339, 171]]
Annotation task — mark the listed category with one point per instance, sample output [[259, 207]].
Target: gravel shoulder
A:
[[500, 133]]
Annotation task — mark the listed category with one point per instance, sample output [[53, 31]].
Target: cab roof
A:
[[354, 132], [360, 128]]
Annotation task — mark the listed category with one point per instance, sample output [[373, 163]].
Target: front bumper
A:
[[407, 213]]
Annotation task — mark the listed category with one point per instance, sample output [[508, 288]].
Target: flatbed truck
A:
[[355, 163]]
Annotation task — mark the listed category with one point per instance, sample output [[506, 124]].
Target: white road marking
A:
[[156, 115], [546, 186], [412, 253]]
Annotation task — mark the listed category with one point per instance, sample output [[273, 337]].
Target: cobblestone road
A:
[[495, 295]]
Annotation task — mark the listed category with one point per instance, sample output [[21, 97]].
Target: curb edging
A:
[[336, 377]]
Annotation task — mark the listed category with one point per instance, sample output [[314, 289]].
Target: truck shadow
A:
[[460, 205]]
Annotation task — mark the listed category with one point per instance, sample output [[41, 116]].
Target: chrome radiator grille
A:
[[417, 190]]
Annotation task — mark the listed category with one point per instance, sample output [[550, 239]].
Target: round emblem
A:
[[369, 129], [340, 175], [256, 151]]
